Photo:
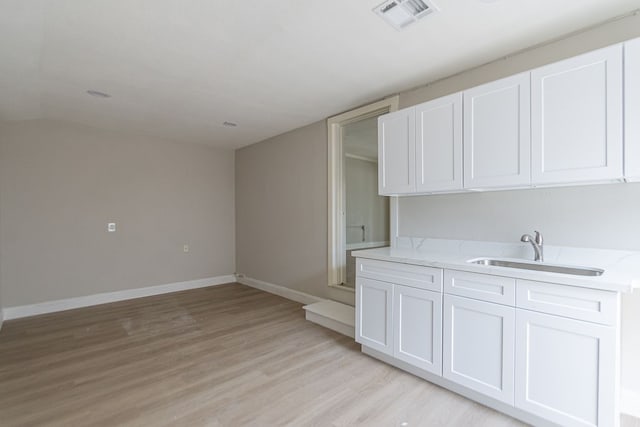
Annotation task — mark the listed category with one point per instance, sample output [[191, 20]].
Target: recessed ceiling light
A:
[[98, 94], [230, 124]]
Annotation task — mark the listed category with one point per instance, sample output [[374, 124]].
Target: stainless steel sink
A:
[[562, 269]]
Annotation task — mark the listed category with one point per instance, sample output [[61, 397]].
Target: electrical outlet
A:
[[111, 227], [185, 248]]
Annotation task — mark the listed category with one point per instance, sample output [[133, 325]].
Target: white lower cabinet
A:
[[417, 321], [400, 321], [549, 352], [374, 314], [565, 369], [479, 346]]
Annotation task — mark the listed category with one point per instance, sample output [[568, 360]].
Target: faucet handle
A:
[[539, 238]]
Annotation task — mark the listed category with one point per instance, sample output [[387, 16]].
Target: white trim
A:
[[279, 290], [630, 402], [20, 311], [336, 233]]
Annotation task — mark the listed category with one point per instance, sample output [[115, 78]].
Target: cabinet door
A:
[[396, 152], [576, 119], [632, 109], [478, 348], [565, 369], [497, 134], [439, 144], [374, 314], [417, 320]]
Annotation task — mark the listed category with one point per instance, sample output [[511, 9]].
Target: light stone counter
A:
[[621, 268]]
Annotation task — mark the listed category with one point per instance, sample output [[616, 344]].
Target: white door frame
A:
[[336, 197]]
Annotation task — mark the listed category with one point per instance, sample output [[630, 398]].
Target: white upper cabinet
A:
[[396, 153], [576, 119], [420, 148], [439, 144], [497, 134], [632, 109]]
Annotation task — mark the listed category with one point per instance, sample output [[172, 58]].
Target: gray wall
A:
[[597, 216], [61, 183], [281, 205]]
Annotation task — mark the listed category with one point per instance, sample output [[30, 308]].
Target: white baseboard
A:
[[630, 402], [279, 290], [103, 298]]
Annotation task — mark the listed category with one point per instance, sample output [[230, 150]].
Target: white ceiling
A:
[[179, 68]]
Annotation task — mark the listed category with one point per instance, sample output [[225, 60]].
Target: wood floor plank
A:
[[227, 355]]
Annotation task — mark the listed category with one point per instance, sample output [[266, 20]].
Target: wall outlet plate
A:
[[111, 227]]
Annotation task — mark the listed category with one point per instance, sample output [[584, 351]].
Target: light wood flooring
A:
[[227, 355]]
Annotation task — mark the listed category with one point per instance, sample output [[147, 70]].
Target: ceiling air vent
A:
[[401, 13]]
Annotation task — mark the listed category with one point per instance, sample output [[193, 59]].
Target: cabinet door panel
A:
[[418, 328], [374, 313], [565, 369], [632, 109], [478, 350], [439, 144], [577, 119], [396, 152], [497, 134]]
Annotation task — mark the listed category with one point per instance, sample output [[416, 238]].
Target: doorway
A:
[[366, 213], [358, 217]]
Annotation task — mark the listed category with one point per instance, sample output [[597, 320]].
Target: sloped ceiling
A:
[[178, 69]]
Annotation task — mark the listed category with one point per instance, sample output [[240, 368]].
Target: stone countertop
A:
[[621, 268]]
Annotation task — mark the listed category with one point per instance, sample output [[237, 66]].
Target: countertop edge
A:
[[548, 277]]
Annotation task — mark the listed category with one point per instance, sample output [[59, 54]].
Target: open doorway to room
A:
[[366, 213], [358, 217]]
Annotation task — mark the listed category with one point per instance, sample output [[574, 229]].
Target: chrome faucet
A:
[[536, 242]]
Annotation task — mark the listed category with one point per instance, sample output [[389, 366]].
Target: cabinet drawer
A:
[[401, 274], [591, 305], [483, 287]]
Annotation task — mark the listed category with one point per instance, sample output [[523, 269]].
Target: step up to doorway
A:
[[333, 315]]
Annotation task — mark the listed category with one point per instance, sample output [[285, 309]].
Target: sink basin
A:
[[551, 268]]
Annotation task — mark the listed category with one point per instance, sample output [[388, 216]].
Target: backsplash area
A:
[[596, 216]]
